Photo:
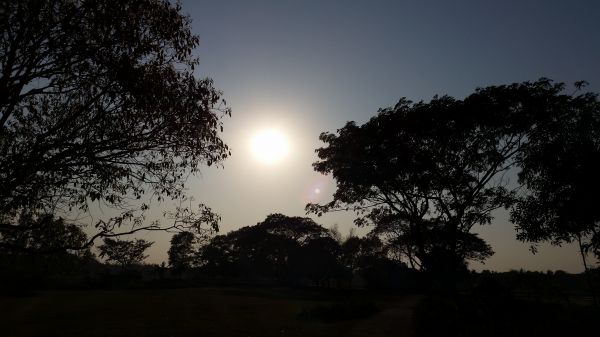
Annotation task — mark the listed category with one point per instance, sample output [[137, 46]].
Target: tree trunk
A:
[[587, 271]]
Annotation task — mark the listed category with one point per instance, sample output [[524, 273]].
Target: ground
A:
[[207, 312]]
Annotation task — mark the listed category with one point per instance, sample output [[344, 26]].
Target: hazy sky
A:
[[306, 67]]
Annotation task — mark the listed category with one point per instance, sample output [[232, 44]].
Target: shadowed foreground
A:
[[206, 312]]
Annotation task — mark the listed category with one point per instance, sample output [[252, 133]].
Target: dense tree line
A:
[[292, 251]]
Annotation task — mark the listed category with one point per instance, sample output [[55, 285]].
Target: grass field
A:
[[207, 312]]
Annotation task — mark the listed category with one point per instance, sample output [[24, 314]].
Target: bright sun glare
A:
[[269, 146]]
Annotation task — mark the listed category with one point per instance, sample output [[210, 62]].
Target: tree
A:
[[357, 251], [426, 173], [124, 252], [559, 174], [299, 229], [320, 260], [46, 234], [99, 104], [249, 254], [272, 250], [182, 251], [19, 267], [371, 259]]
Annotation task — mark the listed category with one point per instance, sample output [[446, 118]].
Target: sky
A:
[[306, 67]]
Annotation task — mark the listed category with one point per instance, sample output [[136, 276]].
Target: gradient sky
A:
[[309, 66]]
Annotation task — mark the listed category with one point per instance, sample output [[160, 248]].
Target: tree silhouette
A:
[[559, 173], [45, 234], [124, 252], [249, 254], [295, 228], [281, 249], [560, 169], [426, 168], [99, 103], [357, 252], [426, 173], [22, 268], [369, 257], [319, 260], [182, 251]]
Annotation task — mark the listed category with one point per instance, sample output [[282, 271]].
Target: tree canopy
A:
[[425, 173], [559, 174], [46, 234], [124, 252], [297, 251], [99, 103], [277, 248], [182, 251]]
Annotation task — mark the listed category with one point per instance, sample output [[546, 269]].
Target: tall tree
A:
[[99, 103], [426, 173]]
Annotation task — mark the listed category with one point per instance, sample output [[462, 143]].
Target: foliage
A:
[[51, 264], [370, 259], [425, 173], [298, 229], [424, 168], [298, 251], [560, 169], [45, 234], [280, 248], [99, 103], [356, 251], [269, 251], [124, 252], [319, 261], [181, 253]]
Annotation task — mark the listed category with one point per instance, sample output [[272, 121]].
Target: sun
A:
[[269, 146]]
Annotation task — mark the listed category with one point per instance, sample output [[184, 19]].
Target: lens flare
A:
[[316, 190]]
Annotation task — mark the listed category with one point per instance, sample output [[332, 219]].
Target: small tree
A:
[[124, 252], [182, 251]]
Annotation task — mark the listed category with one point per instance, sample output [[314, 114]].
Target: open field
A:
[[206, 312]]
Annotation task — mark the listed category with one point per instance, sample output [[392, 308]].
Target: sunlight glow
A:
[[269, 146]]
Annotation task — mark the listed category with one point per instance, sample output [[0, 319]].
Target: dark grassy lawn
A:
[[207, 312]]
